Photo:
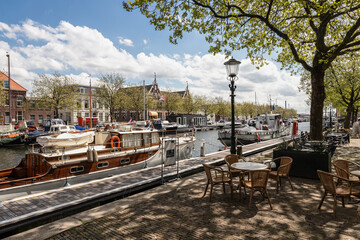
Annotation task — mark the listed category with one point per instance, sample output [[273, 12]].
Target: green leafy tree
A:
[[172, 102], [55, 92], [111, 92], [203, 104], [343, 81], [135, 99], [3, 95], [188, 104], [304, 33]]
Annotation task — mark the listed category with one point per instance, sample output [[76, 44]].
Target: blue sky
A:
[[84, 39]]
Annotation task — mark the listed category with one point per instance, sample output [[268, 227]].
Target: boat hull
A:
[[248, 137]]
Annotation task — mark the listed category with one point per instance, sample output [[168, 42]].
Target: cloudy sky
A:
[[85, 39]]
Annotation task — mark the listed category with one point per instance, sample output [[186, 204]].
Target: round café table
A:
[[356, 173], [248, 166]]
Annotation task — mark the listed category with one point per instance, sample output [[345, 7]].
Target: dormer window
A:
[[6, 84]]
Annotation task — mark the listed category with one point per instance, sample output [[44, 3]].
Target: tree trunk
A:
[[317, 103], [56, 113], [349, 111]]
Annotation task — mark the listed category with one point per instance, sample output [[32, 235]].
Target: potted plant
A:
[[307, 157]]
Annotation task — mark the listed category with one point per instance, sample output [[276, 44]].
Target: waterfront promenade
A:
[[177, 211]]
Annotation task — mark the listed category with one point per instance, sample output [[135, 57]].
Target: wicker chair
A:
[[258, 182], [327, 180], [282, 172], [216, 175], [342, 169], [230, 159]]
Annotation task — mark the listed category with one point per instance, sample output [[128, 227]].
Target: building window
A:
[[32, 104], [32, 117], [48, 116], [7, 119], [19, 116], [82, 90], [41, 117], [86, 114], [94, 104], [106, 117], [94, 115], [101, 117], [20, 99], [100, 105], [86, 105]]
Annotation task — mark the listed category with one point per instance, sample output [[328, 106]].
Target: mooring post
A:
[[202, 148]]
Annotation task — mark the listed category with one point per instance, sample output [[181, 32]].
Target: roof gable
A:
[[13, 85]]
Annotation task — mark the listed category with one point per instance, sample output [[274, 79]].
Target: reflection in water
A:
[[11, 156]]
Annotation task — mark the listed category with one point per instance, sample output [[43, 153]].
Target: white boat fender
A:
[[95, 156], [90, 155]]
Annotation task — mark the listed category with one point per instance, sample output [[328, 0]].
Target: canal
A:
[[11, 156]]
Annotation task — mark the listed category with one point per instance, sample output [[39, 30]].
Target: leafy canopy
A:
[[295, 29]]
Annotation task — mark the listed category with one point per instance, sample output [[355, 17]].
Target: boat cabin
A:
[[47, 123]]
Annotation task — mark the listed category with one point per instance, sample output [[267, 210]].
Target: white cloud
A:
[[145, 42], [126, 42], [78, 51]]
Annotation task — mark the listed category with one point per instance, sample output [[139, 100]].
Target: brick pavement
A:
[[177, 211]]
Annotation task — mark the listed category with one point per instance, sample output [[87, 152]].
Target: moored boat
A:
[[13, 136], [267, 126], [112, 152]]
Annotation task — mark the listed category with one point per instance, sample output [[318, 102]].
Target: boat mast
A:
[[255, 105], [90, 107], [8, 56], [144, 102]]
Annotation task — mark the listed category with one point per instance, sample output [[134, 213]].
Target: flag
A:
[[162, 98], [273, 107]]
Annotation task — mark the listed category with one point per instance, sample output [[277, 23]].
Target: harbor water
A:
[[11, 156]]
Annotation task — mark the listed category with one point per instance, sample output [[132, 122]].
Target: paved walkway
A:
[[177, 211]]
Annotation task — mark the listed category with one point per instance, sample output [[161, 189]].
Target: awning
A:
[[153, 114]]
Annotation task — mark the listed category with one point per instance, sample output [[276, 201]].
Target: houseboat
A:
[[109, 153]]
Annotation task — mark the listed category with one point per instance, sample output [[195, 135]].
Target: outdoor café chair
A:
[[327, 180], [342, 169], [216, 175], [234, 158], [282, 172], [258, 182]]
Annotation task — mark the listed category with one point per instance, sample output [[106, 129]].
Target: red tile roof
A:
[[13, 85]]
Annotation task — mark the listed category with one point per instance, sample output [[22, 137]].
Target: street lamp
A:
[[232, 69]]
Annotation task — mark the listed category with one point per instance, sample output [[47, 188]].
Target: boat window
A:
[[155, 138], [125, 160], [77, 169], [146, 138], [102, 164], [131, 140], [170, 153]]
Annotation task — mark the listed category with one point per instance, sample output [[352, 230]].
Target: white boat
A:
[[62, 128], [67, 139], [267, 126]]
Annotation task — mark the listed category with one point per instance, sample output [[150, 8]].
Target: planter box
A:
[[305, 163]]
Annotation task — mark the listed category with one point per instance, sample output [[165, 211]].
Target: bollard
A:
[[239, 151], [202, 148]]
